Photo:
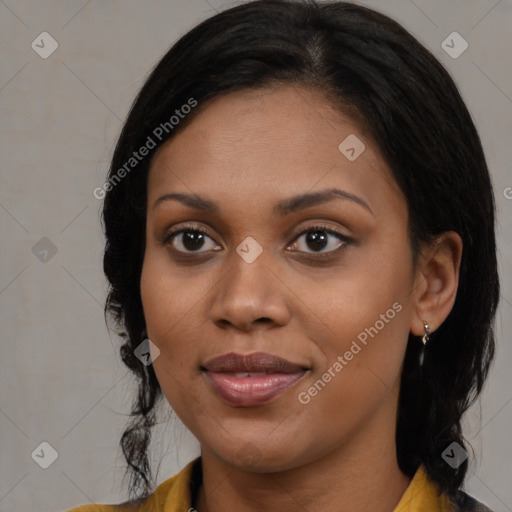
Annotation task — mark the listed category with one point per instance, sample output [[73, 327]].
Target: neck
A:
[[358, 475]]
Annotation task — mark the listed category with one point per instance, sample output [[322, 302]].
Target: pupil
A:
[[192, 240], [316, 240]]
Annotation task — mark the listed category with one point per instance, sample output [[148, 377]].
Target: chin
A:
[[260, 457]]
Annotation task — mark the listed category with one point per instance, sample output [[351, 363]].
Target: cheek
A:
[[168, 297], [167, 305], [173, 304], [359, 373], [359, 356], [360, 321], [366, 298]]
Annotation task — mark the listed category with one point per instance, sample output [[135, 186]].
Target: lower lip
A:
[[250, 391]]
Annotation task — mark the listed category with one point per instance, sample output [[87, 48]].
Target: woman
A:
[[301, 257]]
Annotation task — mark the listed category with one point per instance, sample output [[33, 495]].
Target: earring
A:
[[426, 336], [424, 340]]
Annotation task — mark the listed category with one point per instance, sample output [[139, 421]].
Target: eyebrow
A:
[[282, 208]]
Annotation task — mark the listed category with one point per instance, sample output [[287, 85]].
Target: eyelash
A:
[[318, 255]]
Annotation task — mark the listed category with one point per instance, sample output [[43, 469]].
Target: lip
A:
[[252, 379]]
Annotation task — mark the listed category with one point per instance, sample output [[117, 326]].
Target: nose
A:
[[250, 295]]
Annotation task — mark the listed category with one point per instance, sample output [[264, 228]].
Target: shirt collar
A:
[[421, 495]]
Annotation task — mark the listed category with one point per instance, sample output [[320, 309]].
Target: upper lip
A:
[[255, 362]]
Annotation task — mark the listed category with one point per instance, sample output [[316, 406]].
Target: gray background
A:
[[61, 378]]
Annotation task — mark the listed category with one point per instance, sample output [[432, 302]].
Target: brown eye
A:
[[191, 240], [319, 240]]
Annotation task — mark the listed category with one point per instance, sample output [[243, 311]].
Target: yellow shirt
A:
[[175, 495]]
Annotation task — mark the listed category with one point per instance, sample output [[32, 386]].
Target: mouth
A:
[[253, 379]]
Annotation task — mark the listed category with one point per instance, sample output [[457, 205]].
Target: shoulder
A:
[[462, 502], [175, 494], [150, 503]]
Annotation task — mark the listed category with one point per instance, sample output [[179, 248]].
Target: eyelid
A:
[[186, 226]]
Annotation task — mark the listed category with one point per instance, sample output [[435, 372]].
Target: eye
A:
[[191, 240], [319, 239]]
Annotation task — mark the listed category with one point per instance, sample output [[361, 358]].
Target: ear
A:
[[436, 282]]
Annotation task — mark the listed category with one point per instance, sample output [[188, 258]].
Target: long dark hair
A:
[[372, 69]]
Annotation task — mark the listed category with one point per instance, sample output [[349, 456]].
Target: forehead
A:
[[287, 139]]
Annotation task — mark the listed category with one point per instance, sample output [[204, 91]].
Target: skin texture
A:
[[245, 151]]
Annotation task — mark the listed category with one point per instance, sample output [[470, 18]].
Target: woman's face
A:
[[284, 269]]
